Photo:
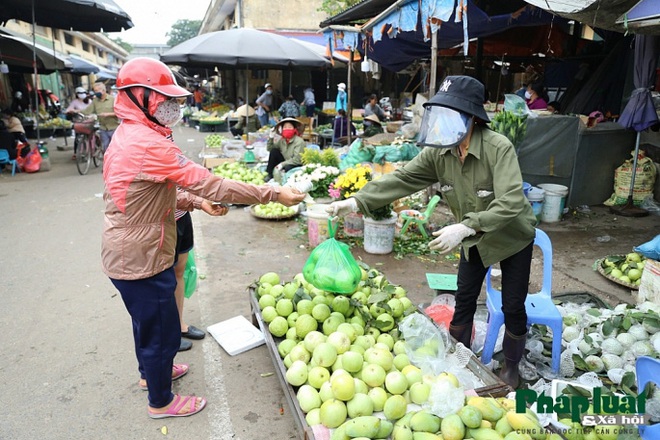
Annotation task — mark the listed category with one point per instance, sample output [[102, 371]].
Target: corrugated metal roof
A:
[[358, 13]]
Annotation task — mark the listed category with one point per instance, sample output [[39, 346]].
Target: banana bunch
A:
[[510, 125]]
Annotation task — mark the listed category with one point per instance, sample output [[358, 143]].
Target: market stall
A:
[[562, 150], [359, 359]]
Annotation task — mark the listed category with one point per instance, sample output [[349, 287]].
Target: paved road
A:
[[69, 370]]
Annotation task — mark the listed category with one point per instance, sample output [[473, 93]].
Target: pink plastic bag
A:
[[442, 315]]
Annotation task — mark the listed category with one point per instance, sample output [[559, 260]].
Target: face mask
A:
[[288, 133], [443, 127], [269, 92], [82, 95], [99, 95], [527, 94], [168, 113]]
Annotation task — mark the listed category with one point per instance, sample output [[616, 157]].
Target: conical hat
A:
[[372, 118], [240, 112]]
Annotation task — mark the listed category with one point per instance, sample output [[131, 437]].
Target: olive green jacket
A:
[[484, 193], [291, 151]]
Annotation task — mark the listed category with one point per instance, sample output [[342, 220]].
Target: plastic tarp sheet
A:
[[540, 154], [409, 45]]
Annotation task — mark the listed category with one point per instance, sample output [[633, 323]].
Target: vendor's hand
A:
[[449, 237], [214, 210], [342, 208], [290, 196], [279, 167], [271, 133]]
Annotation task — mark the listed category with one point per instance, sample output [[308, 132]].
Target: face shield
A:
[[443, 127]]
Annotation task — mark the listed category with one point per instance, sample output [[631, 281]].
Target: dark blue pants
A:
[[515, 285], [156, 330]]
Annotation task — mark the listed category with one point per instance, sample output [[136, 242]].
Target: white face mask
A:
[[527, 94], [82, 95], [169, 112]]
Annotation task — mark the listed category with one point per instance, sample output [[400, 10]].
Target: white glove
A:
[[342, 207], [449, 237], [271, 134]]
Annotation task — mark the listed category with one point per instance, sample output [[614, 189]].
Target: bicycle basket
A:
[[83, 128]]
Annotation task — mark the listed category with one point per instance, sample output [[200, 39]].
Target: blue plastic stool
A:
[[647, 370], [4, 159], [539, 307]]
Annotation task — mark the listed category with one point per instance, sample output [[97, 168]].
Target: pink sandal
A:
[[178, 371], [177, 404]]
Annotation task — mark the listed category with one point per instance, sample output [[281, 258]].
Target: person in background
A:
[[521, 91], [341, 103], [79, 103], [19, 104], [265, 104], [247, 121], [141, 172], [309, 101], [103, 107], [285, 146], [240, 101], [198, 97], [15, 127], [535, 97], [480, 180], [554, 107], [372, 126], [372, 108], [289, 108], [341, 126], [13, 133]]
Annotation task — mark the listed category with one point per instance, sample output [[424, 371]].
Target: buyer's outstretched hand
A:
[[449, 237], [290, 196], [214, 209]]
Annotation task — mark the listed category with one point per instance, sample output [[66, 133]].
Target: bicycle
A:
[[87, 143]]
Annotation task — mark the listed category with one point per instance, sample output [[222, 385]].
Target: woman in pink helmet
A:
[[142, 170]]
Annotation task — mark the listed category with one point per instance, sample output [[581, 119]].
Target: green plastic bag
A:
[[357, 153], [190, 275], [331, 267]]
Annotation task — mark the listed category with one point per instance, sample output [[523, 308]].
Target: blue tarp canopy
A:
[[412, 41]]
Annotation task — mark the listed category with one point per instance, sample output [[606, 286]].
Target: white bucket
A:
[[379, 235], [536, 197], [317, 224], [554, 202]]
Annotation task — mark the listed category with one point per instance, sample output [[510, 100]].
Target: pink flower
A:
[[334, 193]]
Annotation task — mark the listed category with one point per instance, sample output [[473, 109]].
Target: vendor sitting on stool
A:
[[372, 126], [286, 148], [247, 121]]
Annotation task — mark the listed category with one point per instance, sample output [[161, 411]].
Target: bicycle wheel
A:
[[84, 156], [98, 151]]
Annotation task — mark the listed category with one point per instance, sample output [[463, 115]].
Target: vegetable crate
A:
[[494, 386], [304, 429]]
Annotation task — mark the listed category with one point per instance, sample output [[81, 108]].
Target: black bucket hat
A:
[[461, 93]]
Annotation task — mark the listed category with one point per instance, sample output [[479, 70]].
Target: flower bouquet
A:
[[321, 177], [353, 179], [350, 182]]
